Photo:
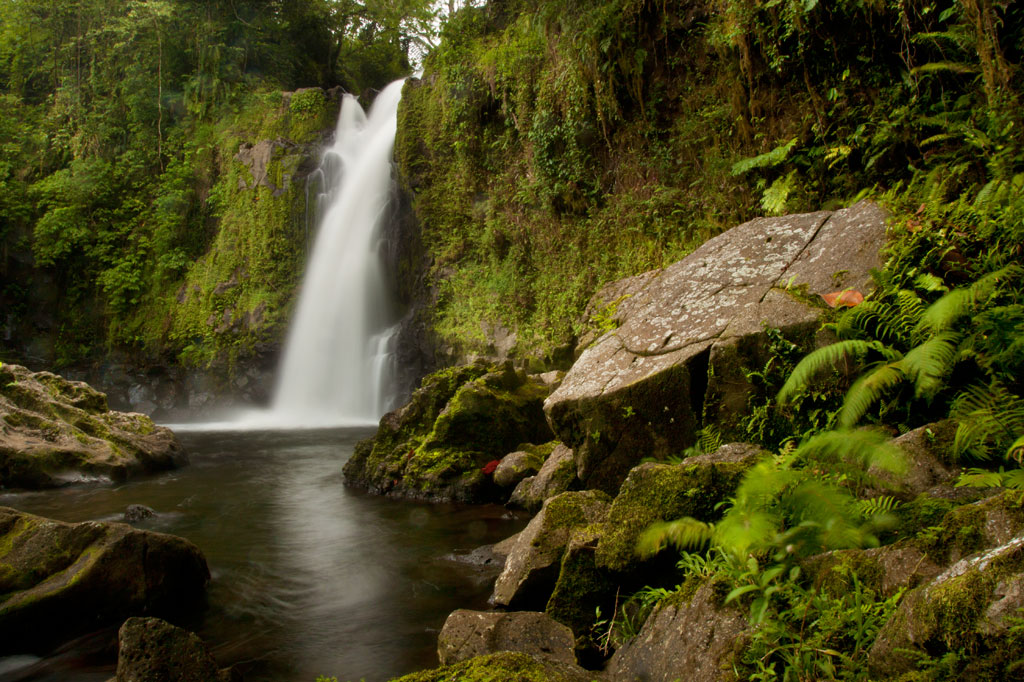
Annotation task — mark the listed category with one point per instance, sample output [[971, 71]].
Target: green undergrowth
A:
[[555, 146]]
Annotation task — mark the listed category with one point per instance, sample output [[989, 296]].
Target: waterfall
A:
[[338, 358]]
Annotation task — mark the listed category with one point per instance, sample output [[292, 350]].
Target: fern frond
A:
[[709, 438], [980, 478], [929, 363], [990, 418], [868, 390], [825, 358], [1016, 451], [876, 319], [682, 533], [911, 308], [859, 450], [946, 311], [876, 506]]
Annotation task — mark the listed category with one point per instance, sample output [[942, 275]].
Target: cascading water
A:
[[337, 366]]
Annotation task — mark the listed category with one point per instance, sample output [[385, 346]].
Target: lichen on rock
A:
[[676, 359]]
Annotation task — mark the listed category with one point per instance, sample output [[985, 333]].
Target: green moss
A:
[[581, 587], [660, 492], [963, 530], [834, 572], [500, 667]]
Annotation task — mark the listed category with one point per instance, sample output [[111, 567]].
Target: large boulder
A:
[[532, 566], [503, 666], [54, 431], [447, 441], [60, 579], [556, 476], [467, 634], [929, 458], [153, 650], [694, 640], [687, 333], [972, 606]]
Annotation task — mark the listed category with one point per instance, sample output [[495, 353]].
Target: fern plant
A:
[[901, 341]]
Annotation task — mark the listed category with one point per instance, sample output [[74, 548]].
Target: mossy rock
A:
[[59, 579], [438, 446], [582, 587], [54, 431], [662, 492], [969, 610], [556, 476], [533, 565], [502, 667], [969, 528]]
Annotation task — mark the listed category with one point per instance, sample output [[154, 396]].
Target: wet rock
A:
[[61, 579], [694, 641], [153, 650], [504, 666], [138, 512], [685, 336], [447, 441], [467, 634], [556, 476], [54, 431], [532, 566], [971, 607]]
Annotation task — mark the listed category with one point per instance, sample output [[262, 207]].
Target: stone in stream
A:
[[54, 431], [58, 580], [685, 335], [138, 512], [153, 650]]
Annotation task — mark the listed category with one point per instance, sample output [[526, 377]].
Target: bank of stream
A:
[[308, 577]]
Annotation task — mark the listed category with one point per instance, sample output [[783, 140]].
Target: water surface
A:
[[308, 577]]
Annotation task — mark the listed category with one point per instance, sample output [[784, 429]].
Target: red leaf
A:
[[490, 466], [847, 297]]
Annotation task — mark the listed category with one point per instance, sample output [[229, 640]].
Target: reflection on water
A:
[[309, 578]]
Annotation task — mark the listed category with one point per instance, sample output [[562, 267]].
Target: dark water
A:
[[309, 578]]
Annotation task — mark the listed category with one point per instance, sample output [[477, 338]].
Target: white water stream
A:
[[338, 359]]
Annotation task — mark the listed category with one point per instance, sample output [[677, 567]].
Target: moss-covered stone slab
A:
[[447, 441], [970, 528], [467, 634], [695, 641], [969, 608], [533, 565], [59, 579], [643, 388], [556, 476], [662, 492], [54, 431], [503, 667]]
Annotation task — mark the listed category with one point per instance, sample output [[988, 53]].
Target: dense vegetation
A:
[[122, 207], [554, 146]]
